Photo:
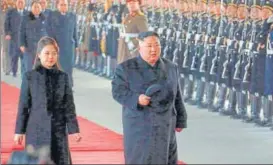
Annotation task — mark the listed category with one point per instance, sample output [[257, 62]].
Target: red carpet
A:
[[99, 145]]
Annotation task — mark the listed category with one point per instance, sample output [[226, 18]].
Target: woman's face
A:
[[48, 56], [36, 9]]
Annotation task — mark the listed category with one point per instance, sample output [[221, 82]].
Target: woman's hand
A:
[[77, 137], [18, 139]]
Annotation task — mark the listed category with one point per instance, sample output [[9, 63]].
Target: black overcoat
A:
[[149, 133], [46, 112]]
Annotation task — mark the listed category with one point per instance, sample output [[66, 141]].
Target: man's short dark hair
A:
[[143, 35]]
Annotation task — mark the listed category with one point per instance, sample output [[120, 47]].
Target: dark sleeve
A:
[[181, 119], [24, 106], [121, 91], [69, 105], [75, 34], [7, 23], [22, 34]]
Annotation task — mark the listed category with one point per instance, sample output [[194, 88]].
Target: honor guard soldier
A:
[[269, 77], [199, 50], [82, 32], [4, 44], [94, 38], [239, 85], [257, 70], [132, 24], [183, 27], [230, 54], [102, 61], [63, 29], [109, 20], [86, 35], [213, 40], [219, 57], [32, 29], [11, 28], [112, 39], [189, 51], [170, 31], [267, 12]]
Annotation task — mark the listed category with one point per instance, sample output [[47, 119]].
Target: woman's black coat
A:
[[46, 112]]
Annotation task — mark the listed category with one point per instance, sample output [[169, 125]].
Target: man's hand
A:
[[18, 139], [144, 100], [178, 129], [7, 37], [22, 48], [77, 49]]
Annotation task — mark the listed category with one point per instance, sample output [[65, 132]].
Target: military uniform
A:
[[217, 64], [214, 35], [94, 40], [268, 71], [188, 56], [258, 66], [131, 26], [199, 54], [230, 55]]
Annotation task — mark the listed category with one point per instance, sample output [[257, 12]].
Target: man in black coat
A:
[[147, 88]]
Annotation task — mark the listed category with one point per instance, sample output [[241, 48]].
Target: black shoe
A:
[[264, 123], [193, 102], [202, 105], [234, 115], [214, 108]]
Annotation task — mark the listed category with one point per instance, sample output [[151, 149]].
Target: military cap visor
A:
[[143, 35]]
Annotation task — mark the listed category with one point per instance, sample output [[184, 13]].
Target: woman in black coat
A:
[[46, 110]]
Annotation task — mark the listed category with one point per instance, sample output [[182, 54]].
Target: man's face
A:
[[266, 13], [255, 13], [232, 11], [133, 6], [63, 6], [242, 12], [43, 4], [150, 49], [20, 4]]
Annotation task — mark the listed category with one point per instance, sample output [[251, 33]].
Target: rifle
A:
[[238, 65], [188, 45], [203, 65], [215, 60], [250, 53], [198, 45]]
